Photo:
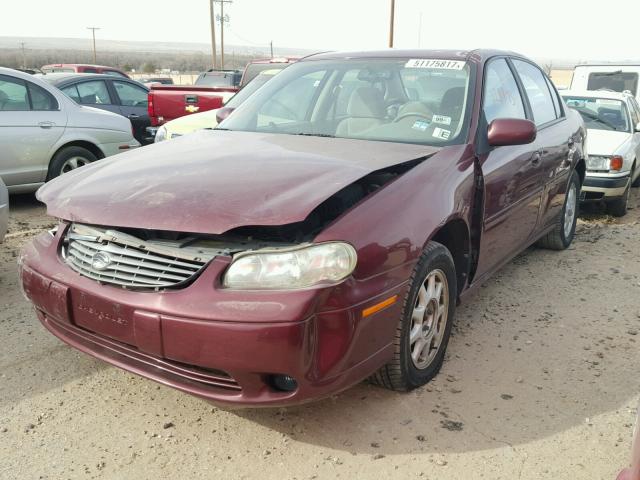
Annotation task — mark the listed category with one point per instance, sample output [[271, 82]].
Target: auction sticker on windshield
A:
[[433, 63]]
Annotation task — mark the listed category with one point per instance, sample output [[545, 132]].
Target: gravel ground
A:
[[541, 382]]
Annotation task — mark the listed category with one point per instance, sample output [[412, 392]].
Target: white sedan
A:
[[613, 145], [43, 133]]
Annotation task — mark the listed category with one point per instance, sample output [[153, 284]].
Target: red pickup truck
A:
[[210, 91]]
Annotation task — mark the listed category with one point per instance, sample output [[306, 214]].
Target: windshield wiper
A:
[[325, 135]]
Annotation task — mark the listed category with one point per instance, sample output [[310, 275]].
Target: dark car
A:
[[119, 95], [323, 234]]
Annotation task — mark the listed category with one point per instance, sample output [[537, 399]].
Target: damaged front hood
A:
[[213, 181]]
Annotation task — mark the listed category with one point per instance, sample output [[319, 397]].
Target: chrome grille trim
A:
[[134, 263]]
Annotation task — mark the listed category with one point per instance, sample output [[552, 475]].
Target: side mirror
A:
[[511, 131], [223, 113]]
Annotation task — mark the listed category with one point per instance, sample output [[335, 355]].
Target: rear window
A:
[[217, 79], [615, 81]]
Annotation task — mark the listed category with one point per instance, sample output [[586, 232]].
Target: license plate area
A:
[[102, 316]]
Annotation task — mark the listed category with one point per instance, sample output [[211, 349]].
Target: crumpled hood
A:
[[605, 142], [213, 181]]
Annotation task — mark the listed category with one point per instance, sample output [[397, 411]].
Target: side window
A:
[[13, 94], [537, 92], [554, 97], [41, 99], [72, 92], [501, 97], [90, 70], [130, 95], [94, 92]]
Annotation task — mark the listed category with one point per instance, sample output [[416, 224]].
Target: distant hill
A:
[[47, 43]]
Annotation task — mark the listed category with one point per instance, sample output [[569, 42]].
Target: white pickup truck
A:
[[617, 78]]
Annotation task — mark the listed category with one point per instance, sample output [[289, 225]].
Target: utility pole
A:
[[391, 21], [24, 57], [223, 19], [93, 31], [213, 33], [271, 45]]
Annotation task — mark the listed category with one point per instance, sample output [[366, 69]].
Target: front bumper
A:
[[604, 188], [222, 346]]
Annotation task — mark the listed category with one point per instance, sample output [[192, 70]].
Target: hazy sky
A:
[[541, 28]]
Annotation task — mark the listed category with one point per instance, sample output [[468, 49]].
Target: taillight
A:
[[151, 110], [616, 162]]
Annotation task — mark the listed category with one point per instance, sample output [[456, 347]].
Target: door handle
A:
[[535, 160], [133, 115], [46, 124]]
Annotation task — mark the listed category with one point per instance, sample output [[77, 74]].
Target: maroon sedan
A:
[[321, 235]]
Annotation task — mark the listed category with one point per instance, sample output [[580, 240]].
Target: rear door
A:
[[133, 101], [554, 139], [512, 175], [92, 93], [31, 122]]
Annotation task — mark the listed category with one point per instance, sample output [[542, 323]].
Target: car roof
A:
[[475, 56], [275, 60], [80, 65], [60, 78], [606, 94]]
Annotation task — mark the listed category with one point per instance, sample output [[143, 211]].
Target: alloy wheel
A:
[[429, 319]]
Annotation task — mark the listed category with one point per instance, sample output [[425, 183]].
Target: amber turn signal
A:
[[616, 162], [379, 306]]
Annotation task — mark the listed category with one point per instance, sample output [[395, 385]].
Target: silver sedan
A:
[[43, 133], [4, 210]]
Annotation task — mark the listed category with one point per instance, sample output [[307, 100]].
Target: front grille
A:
[[117, 258]]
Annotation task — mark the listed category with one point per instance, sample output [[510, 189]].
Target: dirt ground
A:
[[541, 382]]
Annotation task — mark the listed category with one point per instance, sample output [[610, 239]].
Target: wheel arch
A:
[[92, 147], [455, 236], [581, 169]]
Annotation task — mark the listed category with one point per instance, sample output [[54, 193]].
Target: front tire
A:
[[67, 159], [618, 207], [563, 232], [423, 331]]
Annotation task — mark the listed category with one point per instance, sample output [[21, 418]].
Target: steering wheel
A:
[[417, 115]]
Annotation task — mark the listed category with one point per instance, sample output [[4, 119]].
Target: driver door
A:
[[512, 176], [133, 100]]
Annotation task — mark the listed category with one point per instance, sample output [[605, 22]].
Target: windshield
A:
[[615, 81], [253, 69], [407, 100], [248, 90], [601, 113]]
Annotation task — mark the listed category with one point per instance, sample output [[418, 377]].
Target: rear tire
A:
[[67, 159], [563, 232], [424, 328]]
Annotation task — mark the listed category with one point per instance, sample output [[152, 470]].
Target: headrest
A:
[[366, 102]]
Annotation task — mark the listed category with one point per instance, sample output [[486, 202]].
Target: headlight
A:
[[161, 134], [604, 163], [596, 162], [300, 267]]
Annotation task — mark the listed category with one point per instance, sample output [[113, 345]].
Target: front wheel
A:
[[618, 207], [565, 228], [423, 331]]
